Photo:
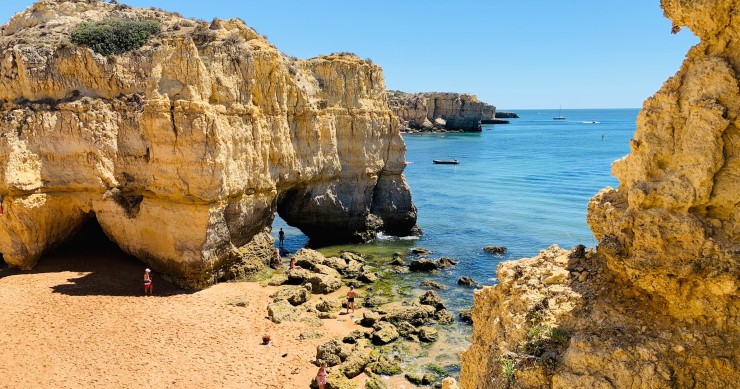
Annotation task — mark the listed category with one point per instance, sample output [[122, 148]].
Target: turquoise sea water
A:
[[523, 185]]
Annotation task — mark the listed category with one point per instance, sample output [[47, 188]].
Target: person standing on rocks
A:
[[351, 299], [148, 285], [321, 376], [281, 237]]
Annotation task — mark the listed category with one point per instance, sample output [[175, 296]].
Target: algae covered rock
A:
[[356, 363], [429, 284], [385, 365], [295, 295], [324, 284], [384, 333], [282, 311], [423, 265], [333, 352], [428, 334], [432, 298]]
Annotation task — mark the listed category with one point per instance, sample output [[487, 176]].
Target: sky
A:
[[523, 54]]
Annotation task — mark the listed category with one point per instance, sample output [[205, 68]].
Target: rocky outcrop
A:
[[439, 111], [657, 304], [506, 115], [184, 149]]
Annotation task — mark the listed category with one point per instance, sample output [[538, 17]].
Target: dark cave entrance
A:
[[295, 239], [102, 267]]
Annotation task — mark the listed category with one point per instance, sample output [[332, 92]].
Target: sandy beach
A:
[[79, 319]]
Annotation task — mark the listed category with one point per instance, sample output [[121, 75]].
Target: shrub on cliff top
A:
[[115, 35]]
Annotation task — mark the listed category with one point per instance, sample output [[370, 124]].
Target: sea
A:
[[523, 185]]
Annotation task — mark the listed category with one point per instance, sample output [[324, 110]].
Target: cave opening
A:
[[102, 267], [295, 239]]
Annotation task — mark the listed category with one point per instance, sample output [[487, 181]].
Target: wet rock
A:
[[384, 333], [295, 295], [429, 284], [428, 334], [445, 262], [406, 329], [432, 298], [421, 252], [324, 284], [466, 281], [444, 316], [466, 316], [328, 304], [282, 311], [368, 277], [496, 250], [350, 256], [423, 265], [369, 318], [397, 261], [415, 314], [332, 352], [355, 363], [385, 366], [420, 379]]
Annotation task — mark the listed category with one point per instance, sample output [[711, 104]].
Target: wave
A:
[[382, 236]]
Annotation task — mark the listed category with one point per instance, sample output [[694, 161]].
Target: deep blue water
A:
[[524, 185]]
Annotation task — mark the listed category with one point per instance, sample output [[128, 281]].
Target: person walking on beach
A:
[[351, 299], [148, 285], [281, 237], [321, 376]]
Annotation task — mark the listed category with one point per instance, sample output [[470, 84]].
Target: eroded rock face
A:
[[184, 149], [657, 304], [440, 111]]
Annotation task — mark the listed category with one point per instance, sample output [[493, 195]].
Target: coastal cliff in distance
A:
[[439, 111], [656, 305], [185, 148]]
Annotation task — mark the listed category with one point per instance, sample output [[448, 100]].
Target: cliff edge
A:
[[656, 305], [439, 111], [185, 148]]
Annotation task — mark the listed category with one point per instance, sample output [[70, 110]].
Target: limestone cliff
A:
[[657, 304], [439, 111], [185, 148]]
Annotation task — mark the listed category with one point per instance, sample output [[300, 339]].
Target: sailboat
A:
[[559, 117]]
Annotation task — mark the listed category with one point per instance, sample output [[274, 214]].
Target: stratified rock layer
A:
[[439, 111], [184, 149], [657, 305]]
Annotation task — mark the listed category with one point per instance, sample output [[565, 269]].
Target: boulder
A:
[[328, 304], [397, 261], [332, 352], [384, 365], [369, 318], [278, 279], [375, 382], [429, 284], [375, 301], [423, 265], [384, 333], [406, 329], [335, 381], [327, 315], [445, 262], [309, 335], [466, 316], [336, 263], [466, 281], [307, 258], [327, 271], [295, 295], [415, 314], [282, 311], [420, 252], [355, 363], [496, 250], [350, 256], [324, 284], [297, 276], [578, 252], [444, 316], [420, 378], [449, 383], [428, 334], [440, 123], [368, 277], [432, 298], [353, 337]]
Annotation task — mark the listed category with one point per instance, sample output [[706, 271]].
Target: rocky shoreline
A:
[[439, 112]]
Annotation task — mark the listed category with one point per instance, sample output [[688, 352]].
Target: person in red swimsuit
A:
[[148, 282], [321, 376]]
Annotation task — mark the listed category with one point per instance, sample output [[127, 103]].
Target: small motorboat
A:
[[445, 161]]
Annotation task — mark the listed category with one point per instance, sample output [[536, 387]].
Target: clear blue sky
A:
[[512, 54]]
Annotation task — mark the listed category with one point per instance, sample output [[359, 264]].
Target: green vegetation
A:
[[507, 367], [115, 35]]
